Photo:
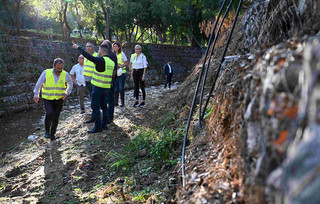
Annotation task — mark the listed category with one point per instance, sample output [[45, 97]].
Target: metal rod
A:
[[192, 106], [222, 58], [208, 64]]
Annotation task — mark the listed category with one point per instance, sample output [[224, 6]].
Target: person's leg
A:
[[89, 88], [116, 90], [49, 115], [110, 102], [170, 79], [122, 80], [95, 106], [136, 85], [165, 86], [57, 106], [142, 85], [81, 91], [105, 109]]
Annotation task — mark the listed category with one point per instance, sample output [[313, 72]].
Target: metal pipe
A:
[[222, 58], [208, 64], [193, 102]]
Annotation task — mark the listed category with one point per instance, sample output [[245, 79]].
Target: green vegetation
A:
[[155, 145], [143, 21]]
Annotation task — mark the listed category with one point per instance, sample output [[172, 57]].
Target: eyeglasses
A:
[[81, 57]]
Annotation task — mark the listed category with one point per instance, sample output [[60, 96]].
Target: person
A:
[[79, 80], [121, 79], [54, 92], [138, 67], [110, 102], [88, 71], [101, 84], [168, 71]]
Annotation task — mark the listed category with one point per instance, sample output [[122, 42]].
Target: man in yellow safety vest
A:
[[101, 81], [54, 92], [89, 67]]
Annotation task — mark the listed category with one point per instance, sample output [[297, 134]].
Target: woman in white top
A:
[[138, 67], [120, 80]]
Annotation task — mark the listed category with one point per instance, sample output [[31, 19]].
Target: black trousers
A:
[[138, 83], [169, 79], [53, 109]]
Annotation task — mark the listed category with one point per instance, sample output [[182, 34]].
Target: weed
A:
[[167, 119], [207, 113], [2, 186]]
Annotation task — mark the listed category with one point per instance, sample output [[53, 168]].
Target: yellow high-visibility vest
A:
[[89, 66], [51, 90], [119, 57], [104, 79]]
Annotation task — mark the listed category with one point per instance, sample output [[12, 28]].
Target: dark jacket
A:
[[166, 69]]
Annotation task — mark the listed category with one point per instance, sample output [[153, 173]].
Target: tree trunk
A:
[[4, 2], [66, 21], [78, 20], [108, 20], [17, 13]]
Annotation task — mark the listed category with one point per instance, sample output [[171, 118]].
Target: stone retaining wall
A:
[[22, 60]]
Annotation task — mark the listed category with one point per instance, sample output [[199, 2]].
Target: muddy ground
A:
[[81, 167]]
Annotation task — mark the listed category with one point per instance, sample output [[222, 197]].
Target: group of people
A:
[[103, 74]]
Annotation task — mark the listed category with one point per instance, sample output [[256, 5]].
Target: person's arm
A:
[[39, 84], [145, 64], [99, 61], [72, 72], [69, 86], [124, 60]]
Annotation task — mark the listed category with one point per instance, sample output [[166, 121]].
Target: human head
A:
[[107, 42], [104, 50], [169, 61], [58, 65], [90, 47], [137, 49], [116, 47], [81, 59]]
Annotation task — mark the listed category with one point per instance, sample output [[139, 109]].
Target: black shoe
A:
[[136, 104], [142, 104], [104, 127], [53, 137], [122, 104], [116, 104], [95, 130], [47, 135], [82, 111], [110, 121], [91, 120]]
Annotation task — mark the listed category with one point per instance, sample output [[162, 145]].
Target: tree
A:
[[14, 7]]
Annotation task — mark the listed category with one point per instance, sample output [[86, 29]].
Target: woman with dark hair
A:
[[121, 72]]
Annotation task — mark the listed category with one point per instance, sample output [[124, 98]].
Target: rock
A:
[[33, 137]]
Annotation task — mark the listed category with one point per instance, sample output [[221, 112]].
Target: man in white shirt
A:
[[79, 80]]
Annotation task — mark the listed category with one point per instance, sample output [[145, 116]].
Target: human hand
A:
[[36, 99], [64, 97], [75, 46], [143, 78]]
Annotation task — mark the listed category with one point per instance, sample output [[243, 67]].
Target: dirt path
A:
[[77, 168]]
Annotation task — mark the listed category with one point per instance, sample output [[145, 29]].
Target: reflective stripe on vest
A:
[[89, 66], [51, 90], [119, 57], [104, 79]]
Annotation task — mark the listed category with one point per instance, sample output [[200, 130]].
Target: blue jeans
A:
[[110, 104], [89, 87], [119, 83], [99, 100]]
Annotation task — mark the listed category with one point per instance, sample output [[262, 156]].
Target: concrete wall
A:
[[22, 60]]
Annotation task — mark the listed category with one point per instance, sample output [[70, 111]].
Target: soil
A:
[[77, 168]]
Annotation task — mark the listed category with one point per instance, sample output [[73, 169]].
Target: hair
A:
[[58, 61], [138, 46], [105, 48], [117, 43], [91, 44]]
